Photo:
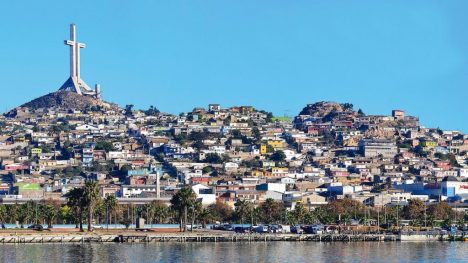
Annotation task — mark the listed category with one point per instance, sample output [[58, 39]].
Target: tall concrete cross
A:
[[74, 52], [74, 82]]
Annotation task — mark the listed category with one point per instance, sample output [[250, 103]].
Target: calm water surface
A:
[[237, 252]]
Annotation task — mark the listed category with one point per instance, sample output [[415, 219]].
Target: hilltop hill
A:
[[326, 110], [61, 100]]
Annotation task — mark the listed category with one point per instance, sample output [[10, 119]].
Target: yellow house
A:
[[351, 142], [257, 173], [276, 143], [279, 171], [429, 144], [263, 148], [19, 138], [36, 151]]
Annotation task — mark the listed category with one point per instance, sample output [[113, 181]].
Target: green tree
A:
[[91, 199], [26, 213], [440, 211], [278, 156], [128, 110], [222, 211], [160, 211], [3, 215], [49, 213], [110, 202], [66, 152], [300, 213], [243, 209], [414, 210], [213, 158], [152, 111], [252, 163], [205, 216], [347, 106], [12, 212], [104, 145], [65, 214], [256, 134], [269, 117], [181, 202], [340, 209], [310, 218], [195, 211], [271, 211], [76, 203], [361, 113]]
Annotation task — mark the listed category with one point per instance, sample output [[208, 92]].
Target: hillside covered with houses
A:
[[328, 152]]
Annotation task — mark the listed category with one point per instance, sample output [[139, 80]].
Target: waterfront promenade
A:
[[173, 235]]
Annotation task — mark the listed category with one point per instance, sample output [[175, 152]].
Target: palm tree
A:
[[26, 213], [195, 210], [49, 213], [271, 210], [99, 212], [205, 215], [146, 212], [110, 203], [300, 213], [243, 208], [255, 215], [3, 215], [181, 202], [12, 213], [91, 199], [160, 211], [75, 202]]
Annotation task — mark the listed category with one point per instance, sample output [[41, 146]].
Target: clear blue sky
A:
[[274, 55]]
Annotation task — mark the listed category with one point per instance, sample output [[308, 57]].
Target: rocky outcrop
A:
[[326, 110], [61, 100]]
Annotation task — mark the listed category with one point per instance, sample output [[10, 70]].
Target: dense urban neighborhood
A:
[[67, 158]]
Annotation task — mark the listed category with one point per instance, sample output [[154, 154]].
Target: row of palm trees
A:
[[342, 211], [86, 205], [84, 201], [30, 212]]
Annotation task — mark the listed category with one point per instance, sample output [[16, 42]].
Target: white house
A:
[[205, 193], [86, 127]]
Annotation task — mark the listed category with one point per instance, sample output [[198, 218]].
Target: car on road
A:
[[297, 229], [241, 229], [36, 227], [225, 227]]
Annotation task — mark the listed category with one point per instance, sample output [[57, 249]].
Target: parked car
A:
[[225, 227], [262, 229], [240, 229], [275, 229], [36, 227], [189, 227], [285, 229], [314, 229], [297, 229]]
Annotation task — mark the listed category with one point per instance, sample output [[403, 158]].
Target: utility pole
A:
[[107, 216], [378, 220], [397, 217], [425, 216], [385, 214]]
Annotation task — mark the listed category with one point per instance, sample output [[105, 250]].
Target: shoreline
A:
[[173, 235]]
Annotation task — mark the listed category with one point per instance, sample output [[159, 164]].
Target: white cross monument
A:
[[74, 82]]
